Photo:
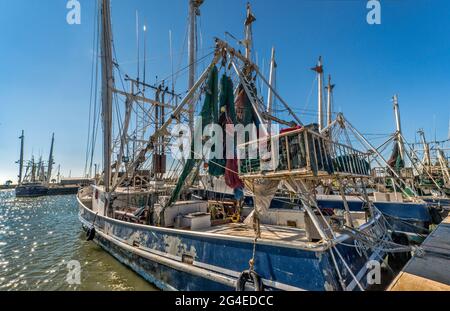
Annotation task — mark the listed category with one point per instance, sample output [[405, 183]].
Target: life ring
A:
[[235, 218], [249, 276]]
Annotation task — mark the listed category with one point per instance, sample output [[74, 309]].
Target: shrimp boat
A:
[[35, 181], [433, 171], [148, 218], [406, 212], [404, 185]]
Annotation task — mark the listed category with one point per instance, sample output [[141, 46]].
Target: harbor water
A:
[[41, 244]]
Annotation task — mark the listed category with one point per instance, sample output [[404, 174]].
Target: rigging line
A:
[[154, 58], [379, 134], [94, 37], [171, 59], [96, 114], [183, 47], [186, 67], [308, 98]]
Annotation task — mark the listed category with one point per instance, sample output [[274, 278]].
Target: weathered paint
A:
[[281, 267]]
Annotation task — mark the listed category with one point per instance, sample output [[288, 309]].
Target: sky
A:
[[45, 63]]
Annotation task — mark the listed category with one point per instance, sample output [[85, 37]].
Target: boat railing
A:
[[303, 153]]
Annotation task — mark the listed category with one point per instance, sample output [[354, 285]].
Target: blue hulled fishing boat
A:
[[152, 219]]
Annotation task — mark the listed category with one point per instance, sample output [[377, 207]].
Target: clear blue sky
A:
[[45, 64]]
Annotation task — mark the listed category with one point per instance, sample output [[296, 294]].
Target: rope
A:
[[94, 84], [252, 260]]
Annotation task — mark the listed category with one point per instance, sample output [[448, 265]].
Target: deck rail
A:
[[305, 153]]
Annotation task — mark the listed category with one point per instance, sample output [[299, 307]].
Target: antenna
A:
[[145, 52], [171, 59], [137, 45]]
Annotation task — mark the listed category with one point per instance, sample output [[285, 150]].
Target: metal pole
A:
[[248, 32], [329, 88], [22, 137], [194, 11], [272, 85], [319, 70], [399, 128]]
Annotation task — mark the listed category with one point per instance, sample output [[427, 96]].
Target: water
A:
[[40, 236]]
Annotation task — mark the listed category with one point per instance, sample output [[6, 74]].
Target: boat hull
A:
[[63, 190], [405, 217], [31, 191], [186, 260], [440, 202]]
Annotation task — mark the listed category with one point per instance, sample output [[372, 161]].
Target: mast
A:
[[42, 174], [399, 127], [40, 169], [33, 169], [319, 70], [194, 11], [249, 31], [58, 176], [426, 147], [50, 160], [107, 86], [329, 88], [22, 137], [272, 75]]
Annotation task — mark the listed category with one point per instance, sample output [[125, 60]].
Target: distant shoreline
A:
[[11, 187]]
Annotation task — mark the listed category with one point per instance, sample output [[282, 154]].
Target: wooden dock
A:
[[431, 272]]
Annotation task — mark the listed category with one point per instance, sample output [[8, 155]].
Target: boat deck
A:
[[432, 271], [268, 232]]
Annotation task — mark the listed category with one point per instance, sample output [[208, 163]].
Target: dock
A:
[[430, 272]]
